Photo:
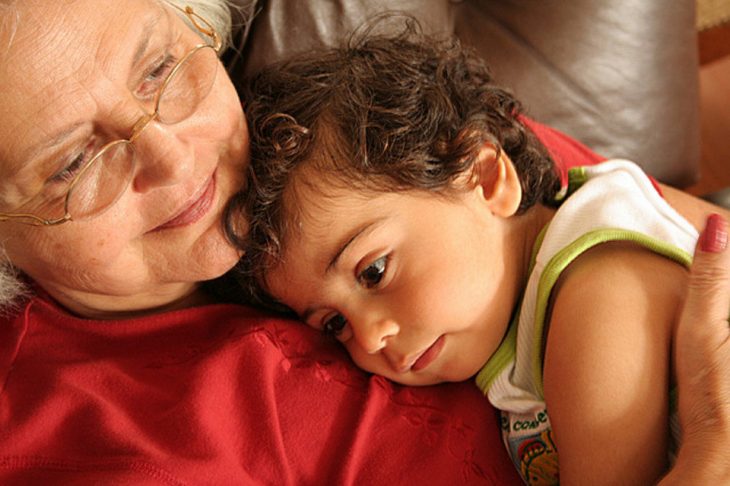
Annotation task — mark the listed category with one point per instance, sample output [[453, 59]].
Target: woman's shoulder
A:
[[230, 376]]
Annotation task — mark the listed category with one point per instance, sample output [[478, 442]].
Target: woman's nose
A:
[[162, 159], [373, 334]]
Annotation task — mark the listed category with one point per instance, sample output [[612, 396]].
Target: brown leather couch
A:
[[620, 76]]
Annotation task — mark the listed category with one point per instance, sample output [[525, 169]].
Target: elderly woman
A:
[[121, 141]]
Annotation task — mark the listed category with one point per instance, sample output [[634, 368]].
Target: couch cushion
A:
[[621, 77]]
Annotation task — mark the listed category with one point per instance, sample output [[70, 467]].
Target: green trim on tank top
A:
[[505, 353]]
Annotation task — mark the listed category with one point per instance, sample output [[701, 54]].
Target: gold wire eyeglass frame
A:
[[205, 28]]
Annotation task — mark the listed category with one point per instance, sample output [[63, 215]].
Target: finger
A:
[[708, 296]]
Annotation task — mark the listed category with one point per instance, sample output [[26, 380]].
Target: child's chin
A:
[[414, 379]]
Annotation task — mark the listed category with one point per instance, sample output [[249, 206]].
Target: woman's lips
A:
[[429, 355], [195, 210]]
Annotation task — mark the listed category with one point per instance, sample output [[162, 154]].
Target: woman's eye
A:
[[373, 274], [153, 79], [334, 325], [72, 168]]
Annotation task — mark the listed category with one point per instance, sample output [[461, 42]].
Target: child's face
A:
[[418, 288]]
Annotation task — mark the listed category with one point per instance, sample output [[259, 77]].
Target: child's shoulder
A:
[[616, 288], [617, 278]]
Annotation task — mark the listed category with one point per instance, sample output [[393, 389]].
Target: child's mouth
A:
[[429, 355]]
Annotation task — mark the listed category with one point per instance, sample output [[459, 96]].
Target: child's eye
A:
[[334, 325], [373, 274]]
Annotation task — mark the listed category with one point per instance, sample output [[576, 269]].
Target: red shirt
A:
[[223, 394]]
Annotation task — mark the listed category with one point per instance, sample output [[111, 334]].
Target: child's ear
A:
[[495, 176]]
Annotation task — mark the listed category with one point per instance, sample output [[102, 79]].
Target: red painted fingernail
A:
[[714, 238]]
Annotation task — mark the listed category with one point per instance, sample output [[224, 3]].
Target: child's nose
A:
[[372, 334]]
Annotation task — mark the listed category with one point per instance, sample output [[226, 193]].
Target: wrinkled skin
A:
[[67, 70]]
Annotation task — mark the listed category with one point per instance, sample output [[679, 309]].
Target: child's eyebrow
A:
[[361, 230], [357, 233]]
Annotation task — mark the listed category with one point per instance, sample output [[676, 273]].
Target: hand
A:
[[702, 357]]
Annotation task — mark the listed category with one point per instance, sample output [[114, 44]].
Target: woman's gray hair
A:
[[12, 288], [217, 12]]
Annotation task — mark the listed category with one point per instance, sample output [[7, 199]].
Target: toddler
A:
[[400, 203]]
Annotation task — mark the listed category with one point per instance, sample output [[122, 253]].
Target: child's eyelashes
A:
[[334, 325], [371, 277], [373, 274]]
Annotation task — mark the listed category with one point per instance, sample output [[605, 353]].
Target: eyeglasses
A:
[[100, 182]]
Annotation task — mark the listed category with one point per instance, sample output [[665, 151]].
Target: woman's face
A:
[[71, 74]]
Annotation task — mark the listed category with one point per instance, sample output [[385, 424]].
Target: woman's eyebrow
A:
[[145, 35], [147, 28], [142, 45], [54, 141]]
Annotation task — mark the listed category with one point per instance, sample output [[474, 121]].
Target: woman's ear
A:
[[495, 176]]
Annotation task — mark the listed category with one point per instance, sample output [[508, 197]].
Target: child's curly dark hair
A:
[[385, 113]]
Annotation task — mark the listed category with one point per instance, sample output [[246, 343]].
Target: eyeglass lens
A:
[[103, 182]]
